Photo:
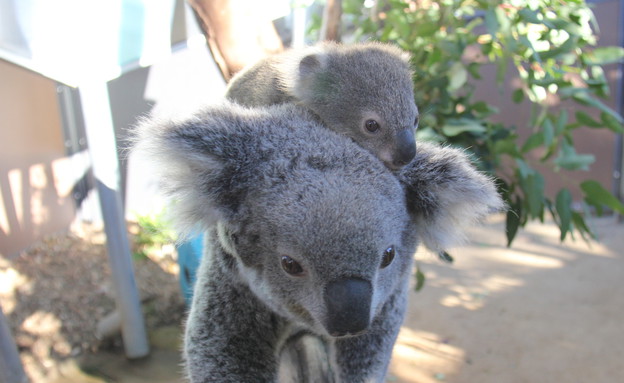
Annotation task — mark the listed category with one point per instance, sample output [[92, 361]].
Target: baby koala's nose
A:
[[348, 304], [405, 148]]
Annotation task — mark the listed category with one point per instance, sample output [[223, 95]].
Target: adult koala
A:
[[310, 240]]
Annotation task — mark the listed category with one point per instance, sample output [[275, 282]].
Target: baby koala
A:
[[363, 91]]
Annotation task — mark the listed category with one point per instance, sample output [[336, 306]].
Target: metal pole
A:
[[299, 16], [103, 150], [11, 370]]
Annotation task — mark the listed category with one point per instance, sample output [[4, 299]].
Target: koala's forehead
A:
[[329, 208], [362, 86]]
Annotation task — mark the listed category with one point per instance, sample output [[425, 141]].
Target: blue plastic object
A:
[[189, 255]]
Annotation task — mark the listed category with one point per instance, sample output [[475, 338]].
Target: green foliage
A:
[[420, 279], [154, 232], [549, 45]]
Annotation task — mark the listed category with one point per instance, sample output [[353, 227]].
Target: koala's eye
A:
[[291, 266], [388, 257], [416, 121], [371, 126]]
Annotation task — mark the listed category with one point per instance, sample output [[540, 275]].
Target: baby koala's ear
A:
[[311, 65], [445, 194], [310, 80]]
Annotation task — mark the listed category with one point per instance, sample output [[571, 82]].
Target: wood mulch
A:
[[55, 293]]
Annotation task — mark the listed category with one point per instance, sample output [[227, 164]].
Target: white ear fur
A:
[[455, 199], [175, 166]]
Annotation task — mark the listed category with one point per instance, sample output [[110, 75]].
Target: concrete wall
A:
[[44, 163], [35, 197]]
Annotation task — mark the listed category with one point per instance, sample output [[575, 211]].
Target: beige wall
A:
[[35, 199]]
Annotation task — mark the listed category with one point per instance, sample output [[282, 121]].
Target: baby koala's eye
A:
[[387, 257], [372, 126], [416, 121], [291, 266]]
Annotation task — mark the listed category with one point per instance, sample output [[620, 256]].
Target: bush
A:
[[549, 45]]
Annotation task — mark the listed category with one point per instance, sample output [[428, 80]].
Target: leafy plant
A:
[[154, 232], [550, 46]]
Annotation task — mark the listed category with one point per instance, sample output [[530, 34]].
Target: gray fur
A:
[[270, 182], [344, 85]]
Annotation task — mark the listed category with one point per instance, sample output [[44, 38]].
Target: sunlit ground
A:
[[540, 311]]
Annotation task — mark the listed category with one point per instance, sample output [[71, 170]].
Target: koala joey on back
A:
[[363, 91], [309, 236]]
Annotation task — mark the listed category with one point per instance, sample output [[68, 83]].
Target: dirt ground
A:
[[54, 293], [540, 312]]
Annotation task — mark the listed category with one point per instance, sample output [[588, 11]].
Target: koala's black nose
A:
[[405, 148], [348, 304]]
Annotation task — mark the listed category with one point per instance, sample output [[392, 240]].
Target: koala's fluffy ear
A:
[[194, 160], [445, 194]]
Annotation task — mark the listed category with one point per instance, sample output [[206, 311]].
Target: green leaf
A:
[[420, 279], [569, 45], [524, 169], [535, 194], [428, 134], [518, 96], [549, 132], [529, 16], [586, 119], [535, 140], [569, 159], [446, 257], [504, 23], [454, 127], [581, 226], [585, 99], [435, 57], [604, 55], [563, 205], [501, 71], [529, 44], [512, 222], [484, 109], [571, 91], [550, 151], [491, 22], [562, 120], [426, 29], [473, 68], [457, 76], [507, 146], [598, 75], [611, 123], [597, 195]]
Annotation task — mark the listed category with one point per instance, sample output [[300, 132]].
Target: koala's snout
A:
[[348, 304], [405, 148]]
